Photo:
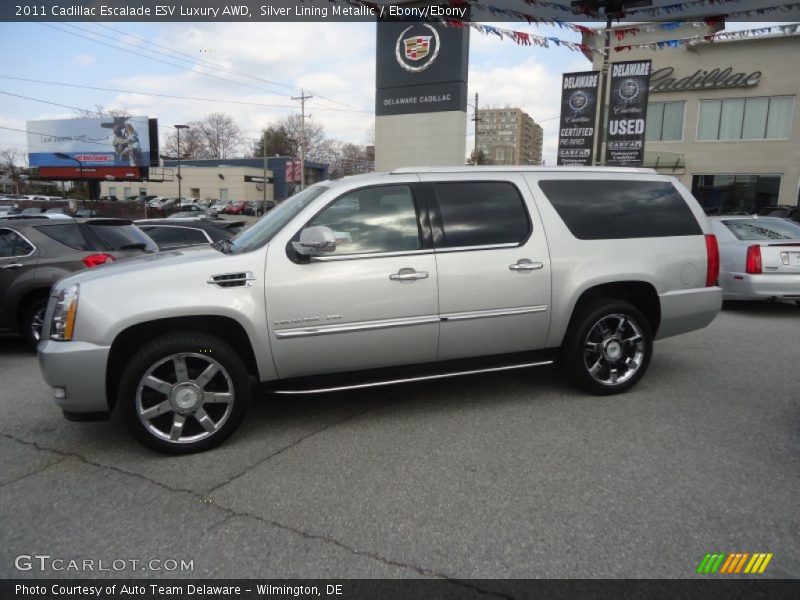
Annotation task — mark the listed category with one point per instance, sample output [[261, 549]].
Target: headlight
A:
[[63, 323]]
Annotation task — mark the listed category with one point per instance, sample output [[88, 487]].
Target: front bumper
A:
[[78, 368], [741, 286], [687, 310]]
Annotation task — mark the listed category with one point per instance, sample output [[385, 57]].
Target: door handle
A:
[[408, 275], [523, 264], [12, 266]]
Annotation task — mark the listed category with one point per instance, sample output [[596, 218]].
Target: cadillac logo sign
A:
[[628, 90], [416, 51], [578, 101]]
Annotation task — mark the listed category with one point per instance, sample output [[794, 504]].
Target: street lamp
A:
[[63, 156], [179, 127]]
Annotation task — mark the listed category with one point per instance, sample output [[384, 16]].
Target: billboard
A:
[[95, 143], [578, 113], [420, 68], [627, 113]]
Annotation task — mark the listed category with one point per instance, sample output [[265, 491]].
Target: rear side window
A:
[[13, 244], [69, 234], [480, 213], [121, 237], [621, 209], [174, 237]]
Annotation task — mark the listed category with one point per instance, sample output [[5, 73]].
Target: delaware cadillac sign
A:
[[578, 111], [627, 113]]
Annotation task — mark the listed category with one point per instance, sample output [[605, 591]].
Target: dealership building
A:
[[722, 117]]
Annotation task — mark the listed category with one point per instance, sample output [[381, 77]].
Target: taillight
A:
[[712, 253], [94, 260], [753, 263]]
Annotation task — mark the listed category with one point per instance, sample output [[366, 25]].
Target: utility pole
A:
[[264, 183], [302, 99], [476, 119]]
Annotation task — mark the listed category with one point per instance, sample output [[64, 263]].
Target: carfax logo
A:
[[417, 51], [734, 563]]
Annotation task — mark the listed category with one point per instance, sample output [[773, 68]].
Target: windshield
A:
[[764, 229], [265, 228]]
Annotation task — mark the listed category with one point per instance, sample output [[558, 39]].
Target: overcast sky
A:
[[333, 61]]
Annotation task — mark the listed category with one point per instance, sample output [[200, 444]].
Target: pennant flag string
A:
[[775, 30]]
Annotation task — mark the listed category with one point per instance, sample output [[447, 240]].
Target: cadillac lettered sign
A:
[[578, 111], [627, 113]]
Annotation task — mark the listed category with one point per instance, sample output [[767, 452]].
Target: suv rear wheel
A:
[[184, 392], [33, 321], [608, 347]]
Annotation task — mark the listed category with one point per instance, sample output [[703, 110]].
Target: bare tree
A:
[[101, 111], [220, 135], [191, 144], [10, 159]]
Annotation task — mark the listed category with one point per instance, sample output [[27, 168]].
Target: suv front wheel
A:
[[184, 392], [608, 347]]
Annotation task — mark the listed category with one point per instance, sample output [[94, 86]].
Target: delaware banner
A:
[[627, 113], [578, 112]]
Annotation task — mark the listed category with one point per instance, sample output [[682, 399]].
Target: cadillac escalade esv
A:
[[385, 278]]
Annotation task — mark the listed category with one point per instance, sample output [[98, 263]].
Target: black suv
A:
[[785, 211], [35, 253]]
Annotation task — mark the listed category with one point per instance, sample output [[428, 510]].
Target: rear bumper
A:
[[741, 286], [687, 310], [78, 368]]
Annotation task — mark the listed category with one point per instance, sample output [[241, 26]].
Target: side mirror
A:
[[316, 241]]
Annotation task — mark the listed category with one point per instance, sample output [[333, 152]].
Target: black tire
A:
[[609, 362], [32, 321], [179, 403]]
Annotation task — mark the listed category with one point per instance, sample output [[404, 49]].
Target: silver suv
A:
[[384, 278]]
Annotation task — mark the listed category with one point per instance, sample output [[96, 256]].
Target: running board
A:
[[359, 386]]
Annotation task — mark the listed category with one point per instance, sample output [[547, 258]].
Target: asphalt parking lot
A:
[[495, 476]]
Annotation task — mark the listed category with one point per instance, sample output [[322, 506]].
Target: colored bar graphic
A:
[[734, 563]]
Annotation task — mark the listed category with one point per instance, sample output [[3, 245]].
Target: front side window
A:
[[480, 213], [13, 244], [373, 219]]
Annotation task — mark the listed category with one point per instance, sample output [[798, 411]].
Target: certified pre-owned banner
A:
[[578, 110], [627, 113]]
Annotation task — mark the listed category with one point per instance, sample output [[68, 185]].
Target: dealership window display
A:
[[736, 194]]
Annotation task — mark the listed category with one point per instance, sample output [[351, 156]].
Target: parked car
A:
[[8, 209], [783, 211], [190, 210], [58, 211], [88, 212], [189, 202], [218, 207], [31, 210], [35, 253], [256, 209], [234, 208], [429, 273], [759, 257], [109, 199], [171, 234]]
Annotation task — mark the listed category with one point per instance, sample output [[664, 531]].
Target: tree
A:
[[278, 141], [101, 111], [215, 136], [284, 138], [11, 161], [479, 158]]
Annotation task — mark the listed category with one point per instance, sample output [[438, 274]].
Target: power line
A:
[[173, 96]]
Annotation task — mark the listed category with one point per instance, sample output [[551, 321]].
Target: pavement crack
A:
[[34, 472], [294, 444]]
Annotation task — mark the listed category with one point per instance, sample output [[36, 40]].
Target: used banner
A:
[[578, 112], [627, 113]]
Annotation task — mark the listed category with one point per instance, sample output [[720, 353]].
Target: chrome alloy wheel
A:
[[184, 398], [614, 349], [37, 323]]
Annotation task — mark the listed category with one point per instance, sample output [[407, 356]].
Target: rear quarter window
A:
[[120, 237], [69, 234], [620, 209]]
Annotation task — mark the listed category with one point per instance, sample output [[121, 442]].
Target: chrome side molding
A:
[[359, 386]]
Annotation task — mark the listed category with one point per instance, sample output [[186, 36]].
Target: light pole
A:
[[264, 183], [179, 127], [63, 156]]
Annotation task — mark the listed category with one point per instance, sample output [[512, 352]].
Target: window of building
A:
[[223, 194], [126, 192], [112, 191], [764, 118], [605, 209], [664, 121], [736, 194], [373, 219], [480, 213]]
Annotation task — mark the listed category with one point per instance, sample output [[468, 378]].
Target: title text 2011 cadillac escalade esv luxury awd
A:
[[383, 278]]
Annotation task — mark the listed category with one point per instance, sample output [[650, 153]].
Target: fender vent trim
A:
[[229, 280]]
